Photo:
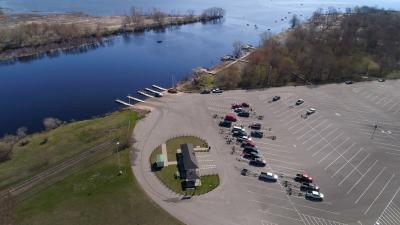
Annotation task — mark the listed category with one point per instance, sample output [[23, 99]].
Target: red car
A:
[[248, 143], [303, 178], [235, 106], [231, 118], [245, 105]]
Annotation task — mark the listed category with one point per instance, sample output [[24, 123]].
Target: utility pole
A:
[[375, 127]]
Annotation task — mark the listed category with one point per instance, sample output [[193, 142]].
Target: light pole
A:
[[119, 162]]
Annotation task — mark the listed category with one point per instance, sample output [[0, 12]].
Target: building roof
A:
[[188, 157]]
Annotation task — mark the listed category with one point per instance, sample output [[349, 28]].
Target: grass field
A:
[[175, 143], [51, 147], [95, 195]]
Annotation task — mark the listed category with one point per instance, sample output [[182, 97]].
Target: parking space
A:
[[339, 143]]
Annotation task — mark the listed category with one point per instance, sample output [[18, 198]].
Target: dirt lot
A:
[[354, 162]]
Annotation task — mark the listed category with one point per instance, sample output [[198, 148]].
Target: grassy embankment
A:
[[49, 148], [167, 174], [96, 194]]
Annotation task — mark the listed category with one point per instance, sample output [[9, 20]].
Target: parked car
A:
[[205, 92], [276, 98], [311, 111], [239, 133], [235, 106], [243, 138], [304, 178], [248, 143], [230, 117], [315, 196], [245, 105], [305, 186], [225, 123], [251, 156], [243, 114], [255, 126], [258, 162], [217, 91], [236, 128], [257, 134], [348, 82], [381, 80], [299, 102], [268, 176], [238, 110], [248, 150]]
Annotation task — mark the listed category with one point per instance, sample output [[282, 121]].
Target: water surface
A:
[[78, 86]]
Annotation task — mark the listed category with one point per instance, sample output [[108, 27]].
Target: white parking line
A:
[[328, 144], [352, 171], [370, 184], [348, 161], [390, 202], [301, 129], [394, 105], [318, 209], [312, 146], [275, 205], [291, 121], [347, 149], [287, 217], [295, 125], [333, 150], [358, 181], [384, 187]]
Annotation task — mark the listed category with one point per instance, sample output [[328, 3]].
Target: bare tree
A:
[[51, 123], [213, 12], [295, 21], [158, 16], [190, 13], [21, 132], [265, 37], [237, 49]]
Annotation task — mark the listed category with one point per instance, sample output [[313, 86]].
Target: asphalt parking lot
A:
[[350, 146]]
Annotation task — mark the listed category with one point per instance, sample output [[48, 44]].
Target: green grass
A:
[[95, 195], [63, 143], [175, 143], [167, 174], [393, 75]]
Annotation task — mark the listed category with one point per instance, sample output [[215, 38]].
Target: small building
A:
[[160, 160], [188, 166]]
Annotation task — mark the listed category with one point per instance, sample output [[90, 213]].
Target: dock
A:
[[159, 94], [135, 99], [123, 103], [158, 87], [145, 94]]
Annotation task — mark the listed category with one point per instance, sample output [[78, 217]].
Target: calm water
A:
[[77, 86]]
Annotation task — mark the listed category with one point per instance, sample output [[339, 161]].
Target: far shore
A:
[[27, 35]]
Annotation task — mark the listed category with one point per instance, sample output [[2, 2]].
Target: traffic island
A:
[[175, 164]]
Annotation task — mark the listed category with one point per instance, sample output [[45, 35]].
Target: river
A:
[[79, 86]]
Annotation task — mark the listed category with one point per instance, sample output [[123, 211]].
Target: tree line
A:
[[330, 47], [24, 38]]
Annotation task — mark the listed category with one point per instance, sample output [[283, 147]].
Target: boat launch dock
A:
[[123, 103], [158, 87], [135, 99], [145, 94]]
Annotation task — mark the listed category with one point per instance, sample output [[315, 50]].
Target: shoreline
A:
[[77, 31]]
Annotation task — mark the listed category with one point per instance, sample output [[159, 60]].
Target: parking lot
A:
[[350, 146]]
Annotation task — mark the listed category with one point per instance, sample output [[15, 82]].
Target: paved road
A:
[[355, 166]]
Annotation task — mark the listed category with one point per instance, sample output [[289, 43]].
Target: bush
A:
[[51, 123]]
